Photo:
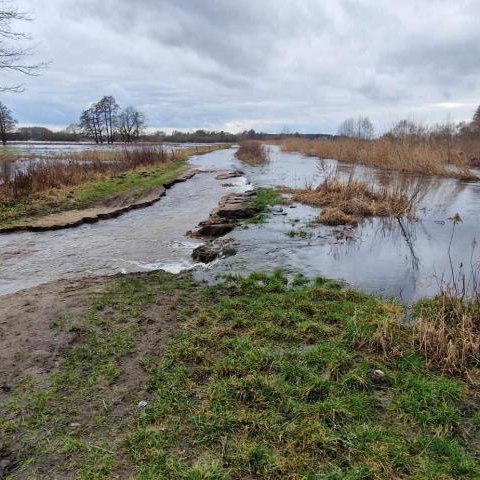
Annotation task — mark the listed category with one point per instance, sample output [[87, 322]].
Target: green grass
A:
[[266, 197], [137, 182], [12, 152], [299, 233], [264, 379]]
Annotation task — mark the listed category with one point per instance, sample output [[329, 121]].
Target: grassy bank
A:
[[261, 379], [93, 186], [134, 183], [422, 156]]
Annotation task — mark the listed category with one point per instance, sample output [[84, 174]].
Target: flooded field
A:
[[388, 258], [17, 156]]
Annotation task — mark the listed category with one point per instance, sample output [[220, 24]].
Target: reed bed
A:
[[253, 152], [71, 169], [348, 202], [413, 155]]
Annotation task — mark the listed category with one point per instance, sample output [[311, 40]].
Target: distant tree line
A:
[[105, 122], [362, 128]]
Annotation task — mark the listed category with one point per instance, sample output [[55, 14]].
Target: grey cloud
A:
[[296, 64]]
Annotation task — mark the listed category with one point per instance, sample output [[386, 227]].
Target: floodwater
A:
[[141, 240], [406, 260], [391, 259]]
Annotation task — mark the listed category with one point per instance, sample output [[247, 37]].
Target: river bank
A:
[[157, 376], [106, 195]]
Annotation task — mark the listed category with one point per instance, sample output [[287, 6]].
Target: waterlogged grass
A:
[[135, 183], [263, 379], [265, 198]]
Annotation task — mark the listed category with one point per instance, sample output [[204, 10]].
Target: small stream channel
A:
[[385, 258]]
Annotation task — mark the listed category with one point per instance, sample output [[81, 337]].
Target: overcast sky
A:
[[265, 64]]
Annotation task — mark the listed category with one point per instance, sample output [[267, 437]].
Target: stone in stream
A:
[[231, 209], [213, 228], [211, 251], [228, 175]]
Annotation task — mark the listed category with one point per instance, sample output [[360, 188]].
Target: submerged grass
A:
[[264, 379], [265, 198]]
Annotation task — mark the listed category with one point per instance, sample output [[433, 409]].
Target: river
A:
[[390, 259]]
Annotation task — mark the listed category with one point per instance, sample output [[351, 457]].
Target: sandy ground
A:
[[29, 346], [32, 348]]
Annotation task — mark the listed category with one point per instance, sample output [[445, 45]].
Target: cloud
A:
[[234, 64]]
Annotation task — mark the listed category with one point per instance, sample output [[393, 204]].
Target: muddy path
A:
[[40, 327], [29, 344]]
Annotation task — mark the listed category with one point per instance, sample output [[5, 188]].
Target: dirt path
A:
[[40, 328], [29, 345]]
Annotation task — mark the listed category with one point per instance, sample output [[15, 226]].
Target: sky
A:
[[270, 65]]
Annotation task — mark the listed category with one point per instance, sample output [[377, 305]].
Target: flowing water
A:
[[386, 258]]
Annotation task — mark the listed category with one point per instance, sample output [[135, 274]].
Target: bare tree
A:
[[406, 128], [360, 127], [7, 122], [365, 129], [347, 128], [475, 125], [109, 111], [130, 123], [91, 123], [13, 56], [73, 129]]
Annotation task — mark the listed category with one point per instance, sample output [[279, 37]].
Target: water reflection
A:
[[388, 257]]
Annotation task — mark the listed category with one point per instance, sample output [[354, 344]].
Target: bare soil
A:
[[38, 327]]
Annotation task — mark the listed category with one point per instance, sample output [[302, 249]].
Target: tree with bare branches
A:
[[91, 123], [13, 56], [7, 122], [131, 122], [360, 127], [108, 108]]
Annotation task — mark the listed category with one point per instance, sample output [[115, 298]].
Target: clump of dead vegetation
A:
[[76, 168], [253, 152], [423, 154], [447, 331], [348, 202]]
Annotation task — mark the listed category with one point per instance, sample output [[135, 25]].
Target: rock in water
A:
[[205, 254]]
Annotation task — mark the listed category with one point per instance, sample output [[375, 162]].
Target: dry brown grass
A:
[[424, 156], [349, 202], [253, 152], [447, 333], [334, 216], [77, 168]]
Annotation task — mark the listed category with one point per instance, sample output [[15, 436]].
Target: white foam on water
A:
[[173, 267]]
